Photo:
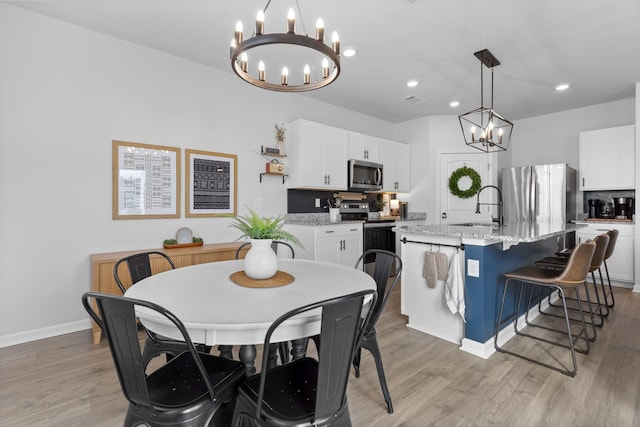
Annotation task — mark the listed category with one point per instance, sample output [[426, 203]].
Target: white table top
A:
[[217, 311]]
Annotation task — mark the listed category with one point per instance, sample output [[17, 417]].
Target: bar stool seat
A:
[[569, 279]]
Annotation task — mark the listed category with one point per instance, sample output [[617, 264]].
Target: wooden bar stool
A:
[[571, 278]]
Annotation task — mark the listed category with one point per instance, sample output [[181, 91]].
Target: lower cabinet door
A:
[[620, 264]]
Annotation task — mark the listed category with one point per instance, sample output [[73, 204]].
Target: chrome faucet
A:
[[500, 219]]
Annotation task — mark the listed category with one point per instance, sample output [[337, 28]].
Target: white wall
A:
[[65, 94]]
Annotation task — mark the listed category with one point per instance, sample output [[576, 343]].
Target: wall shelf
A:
[[284, 176]]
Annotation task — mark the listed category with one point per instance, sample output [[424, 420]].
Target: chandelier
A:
[[308, 78], [483, 128]]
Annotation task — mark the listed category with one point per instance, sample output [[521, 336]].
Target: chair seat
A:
[[179, 382], [290, 390], [539, 275]]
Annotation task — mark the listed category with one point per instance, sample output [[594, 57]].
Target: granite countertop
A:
[[313, 219], [511, 232]]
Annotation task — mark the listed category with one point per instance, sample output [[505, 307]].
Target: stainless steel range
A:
[[377, 232]]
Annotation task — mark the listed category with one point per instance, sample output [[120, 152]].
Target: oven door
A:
[[379, 236]]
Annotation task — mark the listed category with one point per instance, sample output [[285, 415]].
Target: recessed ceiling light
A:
[[412, 83], [563, 86], [349, 52], [454, 103]]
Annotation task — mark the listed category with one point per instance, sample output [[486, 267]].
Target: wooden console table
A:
[[102, 266]]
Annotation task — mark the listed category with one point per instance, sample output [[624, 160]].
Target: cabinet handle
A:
[[583, 181], [353, 229], [330, 231], [329, 179]]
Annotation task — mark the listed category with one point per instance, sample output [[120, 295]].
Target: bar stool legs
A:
[[570, 337]]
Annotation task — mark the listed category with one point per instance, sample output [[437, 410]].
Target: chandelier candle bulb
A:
[[336, 42], [500, 132], [307, 74], [291, 21], [325, 68], [320, 29], [261, 71], [243, 61], [238, 33], [285, 76], [233, 46], [473, 133], [260, 23]]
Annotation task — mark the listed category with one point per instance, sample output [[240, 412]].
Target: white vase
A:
[[280, 146], [261, 261]]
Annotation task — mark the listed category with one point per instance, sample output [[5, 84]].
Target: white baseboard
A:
[[48, 332]]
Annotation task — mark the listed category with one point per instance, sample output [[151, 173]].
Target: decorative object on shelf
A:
[[173, 243], [275, 167], [456, 175], [268, 151], [261, 261], [211, 187], [310, 77], [184, 235], [483, 128], [280, 132], [380, 203]]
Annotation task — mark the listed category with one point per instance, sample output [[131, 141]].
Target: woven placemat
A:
[[279, 279]]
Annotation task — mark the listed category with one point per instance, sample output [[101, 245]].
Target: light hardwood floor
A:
[[68, 381]]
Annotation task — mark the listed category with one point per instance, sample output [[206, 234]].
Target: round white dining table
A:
[[217, 311]]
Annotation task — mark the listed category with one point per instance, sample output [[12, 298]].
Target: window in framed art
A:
[[211, 187], [145, 181]]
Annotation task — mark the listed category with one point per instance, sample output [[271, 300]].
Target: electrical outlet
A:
[[317, 203], [473, 268]]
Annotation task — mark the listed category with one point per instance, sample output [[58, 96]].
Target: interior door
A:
[[454, 209]]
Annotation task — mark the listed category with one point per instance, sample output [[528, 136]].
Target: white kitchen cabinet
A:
[[364, 147], [396, 173], [621, 263], [317, 156], [335, 243], [607, 159]]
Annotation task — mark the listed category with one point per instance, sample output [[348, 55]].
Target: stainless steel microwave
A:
[[364, 176]]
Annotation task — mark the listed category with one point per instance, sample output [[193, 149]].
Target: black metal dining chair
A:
[[384, 262], [139, 267], [306, 391], [189, 390]]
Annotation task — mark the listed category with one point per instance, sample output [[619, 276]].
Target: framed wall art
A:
[[211, 183], [145, 181]]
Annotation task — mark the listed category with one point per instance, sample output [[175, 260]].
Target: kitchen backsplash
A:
[[304, 201]]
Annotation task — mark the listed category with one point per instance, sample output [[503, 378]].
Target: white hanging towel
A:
[[454, 287]]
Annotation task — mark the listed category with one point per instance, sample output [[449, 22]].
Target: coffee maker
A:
[[624, 207], [594, 208]]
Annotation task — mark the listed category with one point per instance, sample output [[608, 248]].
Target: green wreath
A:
[[476, 182]]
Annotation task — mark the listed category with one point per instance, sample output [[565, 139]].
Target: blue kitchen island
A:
[[486, 252]]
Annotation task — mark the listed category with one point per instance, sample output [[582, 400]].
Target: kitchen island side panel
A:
[[483, 293]]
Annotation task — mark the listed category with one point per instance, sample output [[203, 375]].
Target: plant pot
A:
[[261, 261], [280, 146]]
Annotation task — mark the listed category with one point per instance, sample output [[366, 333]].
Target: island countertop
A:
[[511, 232]]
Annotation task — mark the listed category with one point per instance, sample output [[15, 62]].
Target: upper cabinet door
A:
[[396, 161], [317, 156], [607, 159], [364, 147]]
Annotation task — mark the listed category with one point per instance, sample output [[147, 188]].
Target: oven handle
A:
[[378, 176]]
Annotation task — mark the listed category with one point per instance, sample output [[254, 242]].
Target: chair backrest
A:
[[579, 264], [342, 327], [383, 267], [602, 242], [613, 238], [139, 266], [274, 245], [116, 316]]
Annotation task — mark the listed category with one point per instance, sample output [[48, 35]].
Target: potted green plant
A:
[[261, 262]]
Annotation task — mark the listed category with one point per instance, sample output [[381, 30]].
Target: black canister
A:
[[594, 208]]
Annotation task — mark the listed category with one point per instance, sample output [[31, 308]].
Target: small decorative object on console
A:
[[274, 166]]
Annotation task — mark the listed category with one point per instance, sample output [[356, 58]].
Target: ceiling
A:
[[590, 44]]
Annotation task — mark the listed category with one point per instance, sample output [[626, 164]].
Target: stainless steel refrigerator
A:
[[540, 193]]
